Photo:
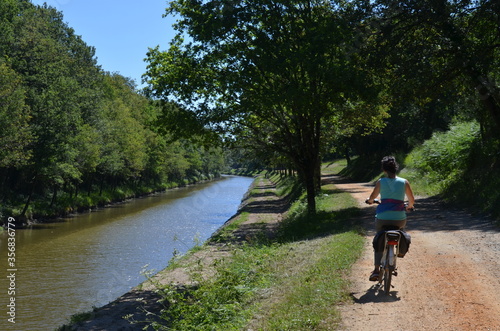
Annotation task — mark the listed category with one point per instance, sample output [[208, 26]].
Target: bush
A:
[[444, 158], [459, 166]]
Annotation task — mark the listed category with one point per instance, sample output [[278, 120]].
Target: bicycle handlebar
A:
[[377, 201]]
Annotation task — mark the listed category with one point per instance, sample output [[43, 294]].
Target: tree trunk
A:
[[308, 178], [54, 197], [491, 105], [311, 195], [317, 175], [347, 156], [30, 196], [89, 187], [101, 188], [3, 185]]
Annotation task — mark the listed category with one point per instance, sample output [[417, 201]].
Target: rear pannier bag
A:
[[404, 242]]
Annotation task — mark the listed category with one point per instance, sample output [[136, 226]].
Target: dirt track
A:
[[449, 280]]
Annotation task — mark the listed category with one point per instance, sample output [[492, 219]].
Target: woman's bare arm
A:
[[375, 193], [409, 194]]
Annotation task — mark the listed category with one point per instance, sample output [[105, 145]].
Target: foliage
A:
[[272, 75], [72, 135], [437, 61], [14, 116], [433, 50], [459, 166], [445, 157], [220, 301]]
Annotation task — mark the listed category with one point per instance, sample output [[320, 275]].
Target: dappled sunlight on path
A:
[[448, 280]]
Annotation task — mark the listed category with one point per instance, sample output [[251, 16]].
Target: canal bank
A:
[[93, 203], [142, 303]]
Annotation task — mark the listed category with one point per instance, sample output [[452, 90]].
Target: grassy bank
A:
[[292, 282]]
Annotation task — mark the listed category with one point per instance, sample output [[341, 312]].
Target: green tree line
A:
[[292, 81], [72, 135], [286, 82]]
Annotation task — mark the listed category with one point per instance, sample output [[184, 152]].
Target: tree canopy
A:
[[286, 81], [272, 74], [438, 48]]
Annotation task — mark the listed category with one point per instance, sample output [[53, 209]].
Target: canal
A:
[[91, 259]]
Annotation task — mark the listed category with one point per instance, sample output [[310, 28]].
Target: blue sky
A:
[[120, 30]]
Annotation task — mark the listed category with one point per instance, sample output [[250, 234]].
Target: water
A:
[[91, 259]]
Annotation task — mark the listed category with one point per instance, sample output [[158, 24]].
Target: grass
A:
[[309, 285], [334, 167], [76, 318], [293, 282], [225, 233]]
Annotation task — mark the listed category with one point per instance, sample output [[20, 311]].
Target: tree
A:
[[122, 130], [14, 115], [267, 72], [59, 76], [433, 48]]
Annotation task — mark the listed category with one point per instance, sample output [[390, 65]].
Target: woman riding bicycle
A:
[[391, 211]]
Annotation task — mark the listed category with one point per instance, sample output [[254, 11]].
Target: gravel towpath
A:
[[449, 280]]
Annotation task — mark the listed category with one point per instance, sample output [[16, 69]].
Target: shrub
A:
[[445, 157]]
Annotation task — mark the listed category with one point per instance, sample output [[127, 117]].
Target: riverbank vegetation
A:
[[459, 166], [73, 136]]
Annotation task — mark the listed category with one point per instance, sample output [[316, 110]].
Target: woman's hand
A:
[[410, 207]]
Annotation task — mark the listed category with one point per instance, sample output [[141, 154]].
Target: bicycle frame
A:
[[389, 258], [390, 254]]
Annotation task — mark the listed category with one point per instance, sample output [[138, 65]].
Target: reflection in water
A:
[[91, 259]]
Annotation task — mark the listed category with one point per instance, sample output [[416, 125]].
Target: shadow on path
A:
[[265, 209], [433, 215], [376, 294]]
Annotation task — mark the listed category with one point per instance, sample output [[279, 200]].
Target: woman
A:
[[391, 211]]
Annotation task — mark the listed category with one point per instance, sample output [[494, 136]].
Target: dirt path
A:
[[449, 280]]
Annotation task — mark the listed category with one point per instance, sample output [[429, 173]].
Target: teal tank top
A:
[[393, 189]]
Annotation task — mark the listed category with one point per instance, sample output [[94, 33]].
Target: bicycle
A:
[[388, 266]]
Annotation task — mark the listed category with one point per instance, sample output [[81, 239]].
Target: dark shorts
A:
[[381, 223]]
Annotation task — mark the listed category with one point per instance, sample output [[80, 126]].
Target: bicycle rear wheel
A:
[[387, 281], [389, 267]]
